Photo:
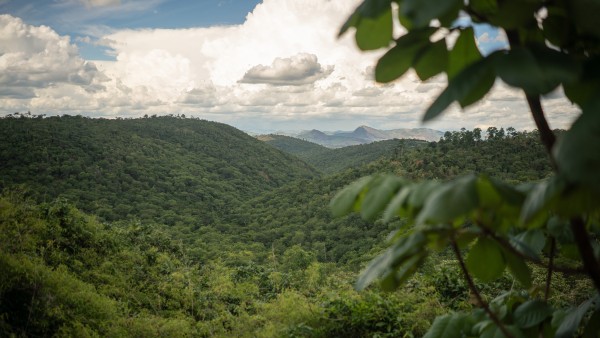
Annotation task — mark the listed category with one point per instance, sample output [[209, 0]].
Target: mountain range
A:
[[365, 134]]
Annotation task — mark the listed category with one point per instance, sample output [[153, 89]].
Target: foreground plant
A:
[[491, 226]]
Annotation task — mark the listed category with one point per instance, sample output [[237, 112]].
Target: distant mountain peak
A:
[[365, 134]]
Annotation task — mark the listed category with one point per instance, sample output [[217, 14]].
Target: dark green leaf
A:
[[536, 70], [452, 200], [398, 276], [467, 87], [381, 191], [572, 320], [432, 60], [368, 9], [421, 12], [464, 53], [484, 7], [539, 201], [578, 151], [592, 329], [518, 268], [450, 326], [514, 14], [344, 201], [534, 240], [374, 270], [400, 58], [485, 260], [494, 331], [585, 15], [393, 257], [397, 203], [374, 33], [532, 313]]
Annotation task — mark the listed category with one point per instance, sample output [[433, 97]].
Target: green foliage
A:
[[165, 169], [540, 222]]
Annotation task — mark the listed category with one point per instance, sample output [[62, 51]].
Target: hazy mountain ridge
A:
[[366, 134]]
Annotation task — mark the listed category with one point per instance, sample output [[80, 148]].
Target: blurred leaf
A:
[[514, 14], [399, 275], [539, 201], [577, 153], [530, 242], [536, 70], [518, 268], [397, 203], [400, 58], [532, 313], [484, 7], [592, 329], [421, 12], [371, 9], [374, 33], [470, 85], [452, 200], [464, 53], [450, 326], [431, 60], [381, 191], [585, 15], [344, 201], [572, 320], [485, 260], [402, 250]]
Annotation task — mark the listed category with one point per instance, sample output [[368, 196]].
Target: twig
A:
[[546, 135], [475, 291], [551, 262], [586, 252]]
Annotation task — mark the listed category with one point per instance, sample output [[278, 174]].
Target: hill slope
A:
[[365, 134], [163, 169], [294, 146]]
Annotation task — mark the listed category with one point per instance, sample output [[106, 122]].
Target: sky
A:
[[261, 66]]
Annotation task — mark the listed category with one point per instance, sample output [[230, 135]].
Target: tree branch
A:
[[475, 291], [586, 252], [546, 134], [550, 264]]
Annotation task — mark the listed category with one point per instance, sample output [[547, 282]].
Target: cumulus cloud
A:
[[37, 57], [283, 68], [299, 69]]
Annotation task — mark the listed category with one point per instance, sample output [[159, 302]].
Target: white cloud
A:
[[299, 69], [283, 68], [35, 58]]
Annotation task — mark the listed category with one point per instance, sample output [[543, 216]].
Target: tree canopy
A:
[[553, 223]]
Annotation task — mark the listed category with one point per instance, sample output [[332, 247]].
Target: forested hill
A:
[[330, 161], [162, 169]]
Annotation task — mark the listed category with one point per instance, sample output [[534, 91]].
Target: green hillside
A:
[[305, 150], [331, 161], [165, 169], [267, 260]]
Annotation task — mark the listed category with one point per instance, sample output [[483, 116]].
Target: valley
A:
[[182, 227]]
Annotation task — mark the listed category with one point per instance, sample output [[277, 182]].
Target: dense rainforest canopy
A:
[[265, 257]]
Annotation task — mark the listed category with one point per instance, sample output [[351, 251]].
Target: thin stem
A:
[[586, 252], [475, 291], [546, 135], [549, 274]]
